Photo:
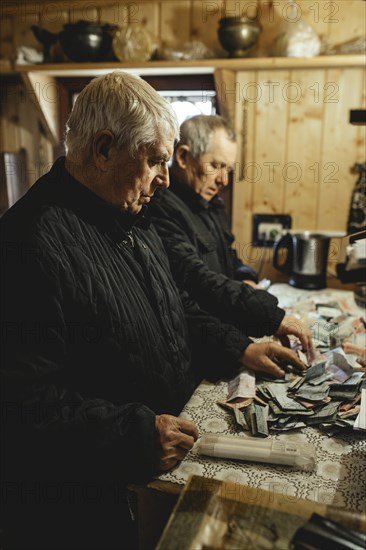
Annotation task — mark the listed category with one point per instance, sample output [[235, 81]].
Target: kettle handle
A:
[[284, 242]]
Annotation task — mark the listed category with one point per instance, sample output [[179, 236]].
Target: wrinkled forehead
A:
[[164, 142], [222, 147]]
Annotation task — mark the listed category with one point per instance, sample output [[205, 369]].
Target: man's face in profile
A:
[[133, 180]]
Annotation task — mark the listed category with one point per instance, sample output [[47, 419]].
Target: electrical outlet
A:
[[267, 228]]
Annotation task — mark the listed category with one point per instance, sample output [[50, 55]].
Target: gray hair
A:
[[196, 132], [122, 103]]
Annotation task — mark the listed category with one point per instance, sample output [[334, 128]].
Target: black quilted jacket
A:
[[96, 341], [96, 337], [198, 240]]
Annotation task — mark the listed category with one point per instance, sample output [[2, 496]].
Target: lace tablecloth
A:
[[339, 477]]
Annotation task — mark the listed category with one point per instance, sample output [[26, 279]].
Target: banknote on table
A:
[[276, 410], [320, 379], [326, 413], [242, 385], [288, 423], [239, 403], [345, 392], [338, 365], [314, 371], [350, 413], [360, 422], [241, 391], [253, 419], [280, 396], [313, 393], [256, 418], [241, 419]]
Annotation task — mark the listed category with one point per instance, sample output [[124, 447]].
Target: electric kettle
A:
[[306, 260]]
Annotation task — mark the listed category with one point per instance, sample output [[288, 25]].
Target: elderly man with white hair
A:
[[99, 347]]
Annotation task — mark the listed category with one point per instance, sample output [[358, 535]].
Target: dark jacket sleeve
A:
[[241, 271], [254, 312], [44, 416], [216, 346]]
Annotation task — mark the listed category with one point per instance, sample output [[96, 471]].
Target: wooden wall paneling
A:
[[361, 130], [53, 18], [43, 92], [269, 156], [340, 147], [175, 23], [10, 98], [147, 15], [23, 34], [270, 17], [318, 14], [204, 25], [233, 8], [268, 94], [88, 12], [115, 14], [227, 95], [346, 20], [6, 38], [243, 189], [304, 146]]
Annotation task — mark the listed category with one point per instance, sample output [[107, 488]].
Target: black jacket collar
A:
[[88, 205], [195, 202]]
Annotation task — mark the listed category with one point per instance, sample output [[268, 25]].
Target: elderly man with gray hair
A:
[[192, 223], [99, 348]]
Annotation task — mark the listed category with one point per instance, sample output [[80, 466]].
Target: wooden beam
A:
[[43, 90]]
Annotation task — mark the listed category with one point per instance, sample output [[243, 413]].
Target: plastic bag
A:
[[296, 38]]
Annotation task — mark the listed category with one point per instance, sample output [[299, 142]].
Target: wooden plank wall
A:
[[298, 151]]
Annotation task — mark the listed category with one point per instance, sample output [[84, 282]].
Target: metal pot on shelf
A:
[[238, 34]]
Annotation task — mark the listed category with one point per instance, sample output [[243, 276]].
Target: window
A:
[[190, 103]]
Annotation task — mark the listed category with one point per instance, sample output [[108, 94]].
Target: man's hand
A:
[[175, 437], [291, 325], [249, 282], [262, 357]]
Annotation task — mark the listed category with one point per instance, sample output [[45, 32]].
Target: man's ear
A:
[[181, 156], [102, 143]]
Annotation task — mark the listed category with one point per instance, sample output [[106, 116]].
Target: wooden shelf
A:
[[45, 75], [201, 66]]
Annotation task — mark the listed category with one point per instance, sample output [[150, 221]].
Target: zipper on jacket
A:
[[130, 241]]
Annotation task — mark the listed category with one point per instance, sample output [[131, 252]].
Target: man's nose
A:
[[223, 177], [162, 179]]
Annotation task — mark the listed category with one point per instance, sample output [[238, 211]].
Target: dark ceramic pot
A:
[[81, 41], [238, 34], [84, 41]]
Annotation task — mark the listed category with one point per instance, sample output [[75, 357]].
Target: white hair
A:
[[124, 104]]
